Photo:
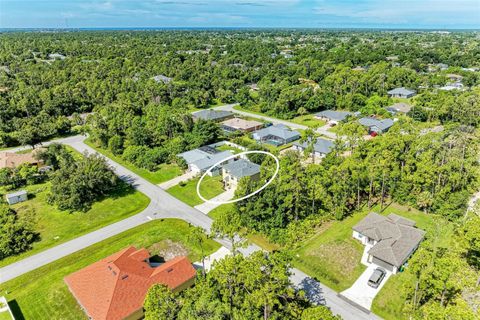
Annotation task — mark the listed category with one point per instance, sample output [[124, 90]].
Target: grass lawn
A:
[[332, 256], [240, 108], [226, 147], [47, 297], [5, 316], [309, 121], [164, 173], [218, 211], [57, 226], [210, 187]]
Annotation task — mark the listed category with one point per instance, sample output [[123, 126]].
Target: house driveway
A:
[[173, 182], [360, 292], [206, 207]]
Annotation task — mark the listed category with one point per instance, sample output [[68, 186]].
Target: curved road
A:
[[163, 205]]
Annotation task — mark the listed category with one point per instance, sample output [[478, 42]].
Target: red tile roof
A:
[[115, 287]]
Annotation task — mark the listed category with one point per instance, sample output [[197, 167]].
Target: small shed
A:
[[16, 197]]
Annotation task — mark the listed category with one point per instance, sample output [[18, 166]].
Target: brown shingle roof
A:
[[13, 160], [115, 287], [396, 236]]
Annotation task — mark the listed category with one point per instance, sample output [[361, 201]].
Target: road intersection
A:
[[163, 205]]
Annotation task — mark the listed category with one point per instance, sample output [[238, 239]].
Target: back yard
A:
[[49, 298]]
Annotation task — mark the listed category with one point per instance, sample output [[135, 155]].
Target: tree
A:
[[16, 234], [161, 303], [318, 313], [76, 185], [197, 236]]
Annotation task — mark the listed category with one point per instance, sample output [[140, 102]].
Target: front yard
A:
[[163, 173], [42, 294], [187, 192], [56, 227]]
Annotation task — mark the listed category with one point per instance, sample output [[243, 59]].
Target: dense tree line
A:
[[256, 287], [433, 171], [40, 93]]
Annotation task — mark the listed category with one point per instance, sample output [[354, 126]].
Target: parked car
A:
[[376, 277]]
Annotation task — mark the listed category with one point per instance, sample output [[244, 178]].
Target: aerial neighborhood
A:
[[239, 174]]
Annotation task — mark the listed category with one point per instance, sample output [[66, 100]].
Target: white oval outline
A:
[[233, 157]]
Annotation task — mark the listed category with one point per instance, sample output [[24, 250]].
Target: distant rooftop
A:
[[401, 91], [321, 145], [334, 115], [372, 122], [278, 130]]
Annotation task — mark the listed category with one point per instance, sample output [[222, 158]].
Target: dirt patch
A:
[[168, 249], [342, 256]]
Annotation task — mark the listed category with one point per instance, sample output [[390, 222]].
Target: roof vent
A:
[[169, 269], [125, 277]]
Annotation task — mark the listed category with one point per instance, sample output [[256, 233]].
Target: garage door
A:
[[383, 264]]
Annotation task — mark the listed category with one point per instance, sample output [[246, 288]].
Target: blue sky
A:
[[439, 14]]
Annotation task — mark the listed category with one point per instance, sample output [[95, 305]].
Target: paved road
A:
[[322, 130], [163, 205]]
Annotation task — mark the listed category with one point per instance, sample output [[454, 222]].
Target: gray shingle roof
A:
[[211, 159], [242, 168], [278, 130], [321, 145], [334, 115], [212, 114], [402, 91], [372, 122], [397, 237]]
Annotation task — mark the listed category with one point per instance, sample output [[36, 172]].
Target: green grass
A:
[[226, 147], [332, 256], [187, 192], [309, 121], [218, 211], [164, 173], [42, 294], [57, 226], [253, 111], [5, 316]]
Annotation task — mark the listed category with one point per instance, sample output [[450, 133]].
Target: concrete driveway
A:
[[206, 207], [360, 292]]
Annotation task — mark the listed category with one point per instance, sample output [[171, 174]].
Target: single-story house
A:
[[401, 93], [391, 239], [201, 159], [375, 125], [236, 170], [400, 107], [162, 78], [12, 160], [332, 116], [321, 148], [238, 124], [16, 197], [115, 287], [452, 86], [214, 115], [277, 135], [56, 56]]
